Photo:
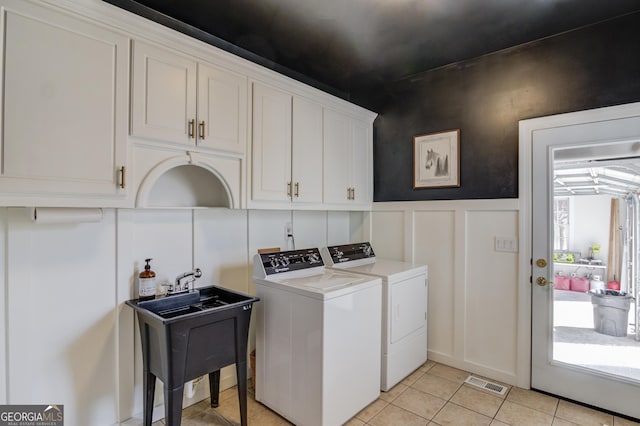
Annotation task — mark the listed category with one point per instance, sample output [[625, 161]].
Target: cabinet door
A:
[[361, 163], [222, 109], [337, 157], [164, 95], [306, 163], [64, 106], [271, 156]]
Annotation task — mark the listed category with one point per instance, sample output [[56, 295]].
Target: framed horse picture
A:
[[436, 160]]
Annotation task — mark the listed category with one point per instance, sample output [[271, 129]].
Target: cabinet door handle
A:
[[192, 124], [289, 189], [296, 192], [201, 127], [122, 174], [351, 194]]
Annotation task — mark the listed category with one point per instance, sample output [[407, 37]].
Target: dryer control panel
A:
[[292, 260], [350, 252]]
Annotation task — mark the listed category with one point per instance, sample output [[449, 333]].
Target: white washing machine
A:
[[404, 306], [318, 336]]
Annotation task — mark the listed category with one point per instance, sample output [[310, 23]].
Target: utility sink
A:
[[187, 335], [198, 301]]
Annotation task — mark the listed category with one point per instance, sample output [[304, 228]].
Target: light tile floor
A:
[[433, 395]]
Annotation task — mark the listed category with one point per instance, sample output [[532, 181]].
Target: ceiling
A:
[[356, 46], [611, 168]]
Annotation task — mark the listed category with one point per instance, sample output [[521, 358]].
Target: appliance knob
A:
[[284, 261], [314, 258], [274, 262]]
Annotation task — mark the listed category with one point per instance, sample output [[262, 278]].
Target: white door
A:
[[592, 136]]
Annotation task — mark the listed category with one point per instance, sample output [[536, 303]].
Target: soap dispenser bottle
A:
[[147, 282]]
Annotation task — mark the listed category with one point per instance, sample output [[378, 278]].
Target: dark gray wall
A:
[[485, 98]]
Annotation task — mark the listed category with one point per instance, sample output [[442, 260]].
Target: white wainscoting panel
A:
[[220, 251], [129, 398], [473, 289], [266, 230], [61, 293], [3, 303], [220, 248], [490, 292], [309, 228], [388, 234], [435, 246], [338, 228], [165, 236], [359, 226]]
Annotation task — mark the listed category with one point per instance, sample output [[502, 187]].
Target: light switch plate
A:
[[506, 244]]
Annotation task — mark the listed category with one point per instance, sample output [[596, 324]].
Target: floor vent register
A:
[[486, 385]]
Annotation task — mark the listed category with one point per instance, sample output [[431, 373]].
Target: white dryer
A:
[[318, 336], [404, 306]]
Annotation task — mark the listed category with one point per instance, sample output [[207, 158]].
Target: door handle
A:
[[542, 281], [541, 263], [201, 127]]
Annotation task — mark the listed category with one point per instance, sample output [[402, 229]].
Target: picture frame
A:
[[436, 160]]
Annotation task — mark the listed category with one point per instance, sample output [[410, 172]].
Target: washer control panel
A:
[[292, 260], [350, 252]]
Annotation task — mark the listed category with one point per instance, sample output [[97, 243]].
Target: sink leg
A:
[[214, 387], [149, 384], [173, 405], [241, 371]]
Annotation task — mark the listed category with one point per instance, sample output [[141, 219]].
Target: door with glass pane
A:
[[585, 174]]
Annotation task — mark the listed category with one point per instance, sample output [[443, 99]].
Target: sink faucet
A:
[[189, 278]]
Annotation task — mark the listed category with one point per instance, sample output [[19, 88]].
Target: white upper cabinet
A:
[[222, 109], [164, 95], [286, 149], [337, 149], [271, 147], [78, 96], [362, 163], [179, 100], [348, 160], [64, 110], [306, 159]]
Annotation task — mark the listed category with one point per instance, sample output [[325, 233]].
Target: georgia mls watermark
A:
[[31, 415]]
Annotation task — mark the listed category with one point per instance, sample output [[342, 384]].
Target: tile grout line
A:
[[500, 406]]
